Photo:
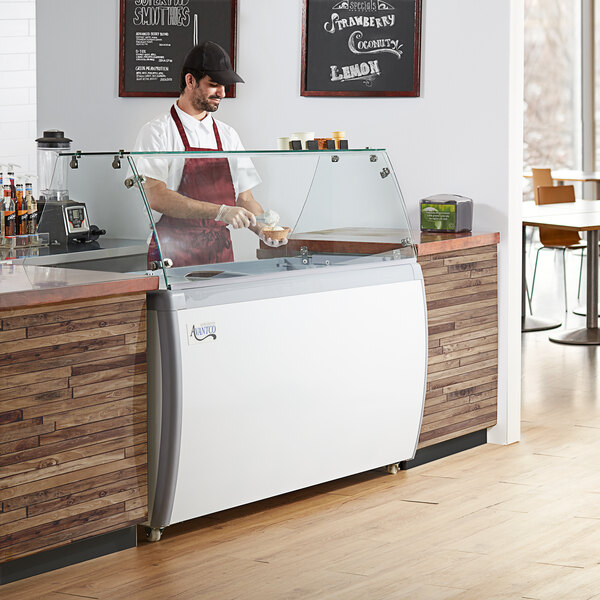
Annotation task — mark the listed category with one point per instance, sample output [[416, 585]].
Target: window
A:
[[552, 122]]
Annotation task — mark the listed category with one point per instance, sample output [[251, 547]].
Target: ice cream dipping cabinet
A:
[[272, 374]]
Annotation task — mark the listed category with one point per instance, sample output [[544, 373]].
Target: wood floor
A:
[[519, 521]]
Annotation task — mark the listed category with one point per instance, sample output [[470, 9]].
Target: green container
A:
[[446, 213]]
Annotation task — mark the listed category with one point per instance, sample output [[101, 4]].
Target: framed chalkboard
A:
[[361, 48], [156, 35]]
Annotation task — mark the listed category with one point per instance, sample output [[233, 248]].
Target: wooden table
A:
[[583, 215]]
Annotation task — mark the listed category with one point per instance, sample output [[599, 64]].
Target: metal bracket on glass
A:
[[116, 163], [74, 162], [373, 158], [335, 158], [130, 181], [397, 253], [384, 172], [157, 264], [306, 257]]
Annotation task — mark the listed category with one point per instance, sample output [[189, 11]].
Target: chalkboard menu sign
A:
[[156, 35], [361, 48]]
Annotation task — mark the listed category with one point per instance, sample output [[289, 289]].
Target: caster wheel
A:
[[153, 534], [393, 468]]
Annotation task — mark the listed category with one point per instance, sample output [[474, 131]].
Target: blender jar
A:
[[52, 172]]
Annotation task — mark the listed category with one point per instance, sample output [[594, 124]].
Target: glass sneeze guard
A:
[[335, 208]]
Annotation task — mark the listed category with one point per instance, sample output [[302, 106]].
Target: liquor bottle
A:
[[21, 211], [2, 231], [32, 209], [2, 241], [9, 213], [11, 181]]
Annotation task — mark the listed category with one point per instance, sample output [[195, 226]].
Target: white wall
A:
[[17, 84], [455, 138]]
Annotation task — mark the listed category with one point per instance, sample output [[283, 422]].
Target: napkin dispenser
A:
[[446, 213]]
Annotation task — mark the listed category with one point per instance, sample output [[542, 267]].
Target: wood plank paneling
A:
[[91, 356], [93, 428], [83, 324], [73, 431], [52, 351], [33, 318], [11, 416], [69, 489], [462, 369]]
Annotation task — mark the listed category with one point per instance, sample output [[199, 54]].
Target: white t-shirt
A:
[[161, 135]]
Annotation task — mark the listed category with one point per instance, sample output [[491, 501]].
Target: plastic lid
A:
[[53, 138]]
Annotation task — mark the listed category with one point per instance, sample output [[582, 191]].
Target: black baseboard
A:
[[464, 442], [71, 554]]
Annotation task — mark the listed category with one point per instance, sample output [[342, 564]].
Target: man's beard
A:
[[203, 103]]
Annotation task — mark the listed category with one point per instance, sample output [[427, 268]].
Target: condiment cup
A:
[[304, 136], [283, 143]]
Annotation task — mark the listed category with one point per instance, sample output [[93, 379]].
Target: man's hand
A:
[[236, 216]]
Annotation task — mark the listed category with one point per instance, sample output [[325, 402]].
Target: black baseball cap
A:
[[210, 58]]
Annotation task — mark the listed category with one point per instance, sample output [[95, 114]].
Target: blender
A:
[[64, 220]]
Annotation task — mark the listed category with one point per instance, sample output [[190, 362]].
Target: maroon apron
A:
[[197, 241]]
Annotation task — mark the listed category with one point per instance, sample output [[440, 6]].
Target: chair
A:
[[540, 177], [553, 238]]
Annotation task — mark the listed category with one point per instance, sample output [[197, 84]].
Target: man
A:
[[198, 197]]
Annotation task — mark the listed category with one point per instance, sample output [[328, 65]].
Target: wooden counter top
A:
[[436, 243], [22, 286], [351, 240]]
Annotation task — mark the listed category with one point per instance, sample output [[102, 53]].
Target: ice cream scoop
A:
[[269, 217]]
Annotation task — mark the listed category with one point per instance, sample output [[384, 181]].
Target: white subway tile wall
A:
[[18, 114]]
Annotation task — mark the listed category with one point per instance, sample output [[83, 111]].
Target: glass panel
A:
[[94, 223], [552, 103], [354, 199], [597, 83], [333, 208]]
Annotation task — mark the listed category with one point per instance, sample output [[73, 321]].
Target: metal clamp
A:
[[130, 181], [116, 163], [373, 158], [384, 172], [397, 252], [306, 257], [74, 163], [335, 158], [157, 264]]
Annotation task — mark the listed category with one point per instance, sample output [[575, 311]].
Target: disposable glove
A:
[[236, 216]]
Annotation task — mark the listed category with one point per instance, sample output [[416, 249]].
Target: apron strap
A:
[[180, 128], [183, 135], [217, 136]]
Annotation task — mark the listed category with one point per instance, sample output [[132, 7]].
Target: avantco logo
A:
[[204, 332]]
